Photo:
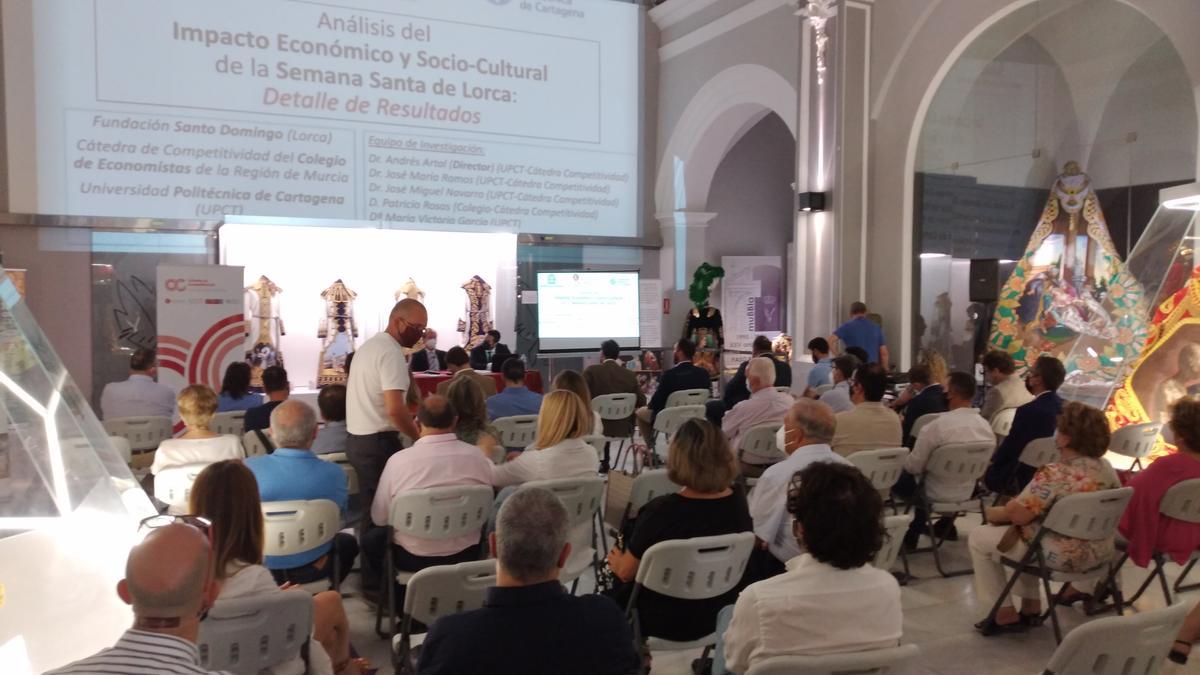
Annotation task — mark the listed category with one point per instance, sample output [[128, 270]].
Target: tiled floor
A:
[[938, 617]]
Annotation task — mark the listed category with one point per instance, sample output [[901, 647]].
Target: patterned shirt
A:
[[140, 651], [1057, 480]]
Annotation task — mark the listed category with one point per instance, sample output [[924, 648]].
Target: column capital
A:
[[684, 218]]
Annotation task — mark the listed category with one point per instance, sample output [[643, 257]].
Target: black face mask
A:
[[411, 335]]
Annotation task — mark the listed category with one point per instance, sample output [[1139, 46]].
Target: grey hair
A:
[[531, 530], [763, 368], [814, 419], [293, 425]]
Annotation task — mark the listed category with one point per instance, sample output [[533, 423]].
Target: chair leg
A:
[[1110, 584], [1008, 586], [1179, 585], [937, 555], [389, 580], [1051, 598]]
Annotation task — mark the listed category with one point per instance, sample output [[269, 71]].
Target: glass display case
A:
[[69, 506]]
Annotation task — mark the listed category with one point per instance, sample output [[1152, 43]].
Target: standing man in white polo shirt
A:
[[376, 413]]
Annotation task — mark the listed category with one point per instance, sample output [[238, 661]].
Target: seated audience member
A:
[[736, 390], [199, 444], [557, 632], [569, 380], [610, 377], [838, 398], [489, 354], [333, 435], [682, 376], [293, 472], [235, 389], [277, 388], [700, 460], [822, 370], [226, 494], [831, 600], [1143, 527], [169, 581], [962, 424], [923, 396], [140, 395], [765, 406], [437, 459], [458, 365], [473, 426], [862, 333], [430, 358], [806, 432], [871, 425], [1082, 438], [1006, 390], [1036, 419], [516, 398], [559, 450]]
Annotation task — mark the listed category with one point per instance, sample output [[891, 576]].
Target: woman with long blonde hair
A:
[[558, 450]]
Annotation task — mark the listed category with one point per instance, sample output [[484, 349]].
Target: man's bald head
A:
[[293, 425], [437, 414], [409, 310], [166, 574]]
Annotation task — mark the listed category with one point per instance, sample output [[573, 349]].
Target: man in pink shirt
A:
[[437, 459], [765, 406]]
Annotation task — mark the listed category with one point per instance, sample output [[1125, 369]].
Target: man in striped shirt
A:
[[169, 582]]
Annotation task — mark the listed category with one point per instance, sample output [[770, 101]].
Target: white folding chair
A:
[[583, 498], [952, 464], [343, 461], [143, 433], [1118, 645], [893, 542], [647, 485], [615, 407], [439, 591], [517, 431], [254, 445], [882, 467], [760, 441], [867, 662], [434, 514], [690, 569], [232, 422], [250, 634], [1002, 423], [922, 422], [1135, 441], [1089, 516], [298, 526], [668, 421], [688, 397], [1180, 502], [121, 445], [173, 486]]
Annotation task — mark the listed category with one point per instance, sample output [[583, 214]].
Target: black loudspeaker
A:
[[985, 279]]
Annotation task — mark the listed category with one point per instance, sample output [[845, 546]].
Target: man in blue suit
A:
[[683, 375], [1036, 419]]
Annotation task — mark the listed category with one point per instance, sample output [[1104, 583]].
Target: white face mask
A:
[[431, 344], [781, 438]]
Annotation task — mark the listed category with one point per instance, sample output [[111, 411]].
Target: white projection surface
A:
[[579, 310], [520, 115]]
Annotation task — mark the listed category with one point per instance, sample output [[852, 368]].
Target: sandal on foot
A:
[[1179, 657], [989, 627]]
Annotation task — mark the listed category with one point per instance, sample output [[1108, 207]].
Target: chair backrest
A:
[[300, 525], [517, 431], [783, 390], [441, 512], [1117, 645], [1088, 515], [688, 397], [922, 422], [960, 462], [232, 422], [1002, 421], [881, 467], [143, 433], [895, 527], [670, 419], [1135, 440], [581, 496], [614, 406], [121, 445], [1182, 501], [1039, 452], [249, 634], [824, 388], [858, 663], [697, 568], [351, 478], [648, 484], [437, 591], [173, 485], [760, 440], [253, 444]]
